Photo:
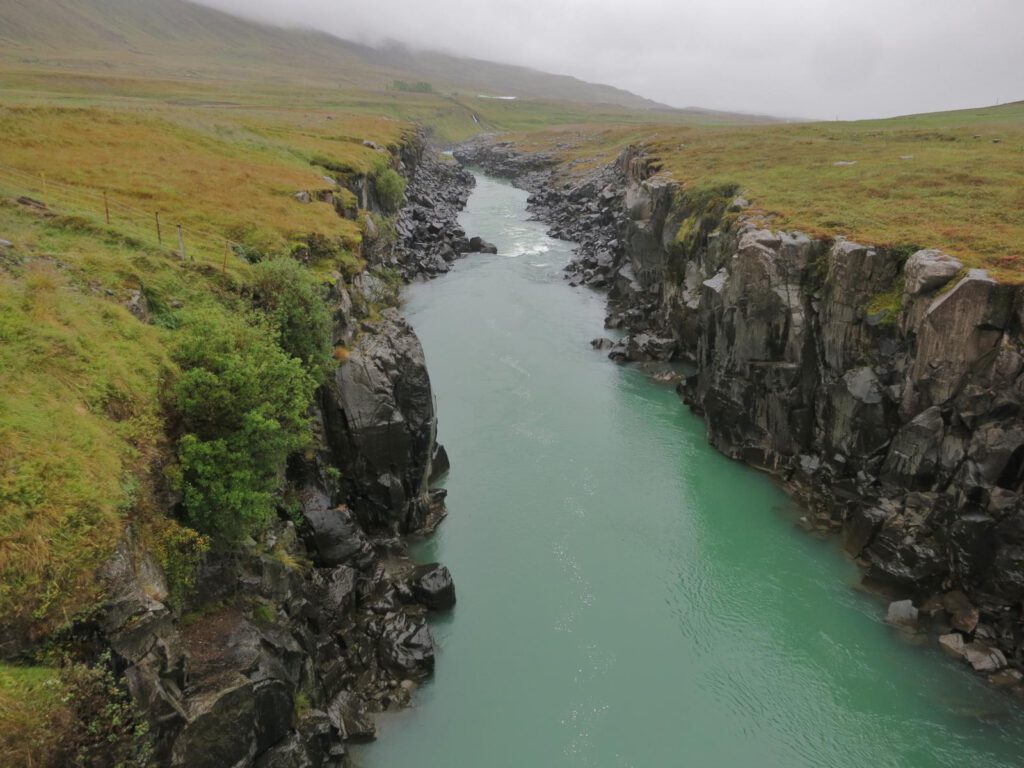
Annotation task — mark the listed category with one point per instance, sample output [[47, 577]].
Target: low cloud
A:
[[809, 58]]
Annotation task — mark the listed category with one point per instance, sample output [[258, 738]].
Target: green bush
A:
[[293, 302], [390, 189], [242, 403]]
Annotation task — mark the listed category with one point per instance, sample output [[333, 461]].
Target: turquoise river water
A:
[[626, 595]]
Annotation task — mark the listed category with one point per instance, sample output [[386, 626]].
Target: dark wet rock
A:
[[429, 235], [439, 464], [334, 533], [479, 245], [433, 587], [861, 527], [348, 716], [380, 423], [602, 344], [405, 645]]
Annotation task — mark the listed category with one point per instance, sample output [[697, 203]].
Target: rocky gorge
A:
[[882, 386], [283, 648]]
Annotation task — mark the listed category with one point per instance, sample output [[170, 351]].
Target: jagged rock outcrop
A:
[[380, 422], [428, 237], [885, 388]]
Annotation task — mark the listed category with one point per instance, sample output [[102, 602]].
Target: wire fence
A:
[[155, 228]]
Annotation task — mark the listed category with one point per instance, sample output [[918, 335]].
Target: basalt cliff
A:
[[884, 387]]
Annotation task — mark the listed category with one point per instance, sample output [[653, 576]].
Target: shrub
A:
[[179, 551], [390, 189], [242, 404], [293, 302]]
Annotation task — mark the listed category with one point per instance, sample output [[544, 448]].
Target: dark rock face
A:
[[901, 425], [380, 423], [223, 689]]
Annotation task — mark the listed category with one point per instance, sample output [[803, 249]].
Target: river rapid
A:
[[626, 595]]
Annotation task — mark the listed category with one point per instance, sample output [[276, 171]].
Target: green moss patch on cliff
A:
[[702, 208], [888, 305]]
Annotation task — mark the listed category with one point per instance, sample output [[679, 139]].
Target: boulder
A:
[[984, 658], [964, 617], [405, 646], [902, 613], [928, 270], [861, 527], [953, 644], [433, 587], [335, 536], [479, 245]]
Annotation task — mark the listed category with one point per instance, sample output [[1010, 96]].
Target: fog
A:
[[800, 58]]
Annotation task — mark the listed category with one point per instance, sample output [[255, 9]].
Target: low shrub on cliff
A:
[[293, 301], [242, 403], [390, 189]]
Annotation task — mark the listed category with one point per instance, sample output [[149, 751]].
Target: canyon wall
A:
[[883, 386]]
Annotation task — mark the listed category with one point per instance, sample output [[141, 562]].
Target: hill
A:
[[174, 38]]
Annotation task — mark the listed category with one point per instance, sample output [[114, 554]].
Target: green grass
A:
[[31, 713], [79, 416]]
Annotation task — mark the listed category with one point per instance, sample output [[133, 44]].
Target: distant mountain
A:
[[176, 37]]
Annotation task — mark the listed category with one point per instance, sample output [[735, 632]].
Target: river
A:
[[626, 595]]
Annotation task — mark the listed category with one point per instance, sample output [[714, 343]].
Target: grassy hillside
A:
[[952, 180], [80, 423]]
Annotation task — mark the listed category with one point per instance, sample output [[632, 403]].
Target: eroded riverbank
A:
[[627, 595]]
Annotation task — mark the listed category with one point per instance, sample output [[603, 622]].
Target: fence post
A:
[[181, 243], [224, 266], [159, 237], [46, 187], [106, 207]]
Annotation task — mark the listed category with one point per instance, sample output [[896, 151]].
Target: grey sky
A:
[[812, 58]]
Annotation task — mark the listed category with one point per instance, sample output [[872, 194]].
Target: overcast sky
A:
[[803, 58]]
